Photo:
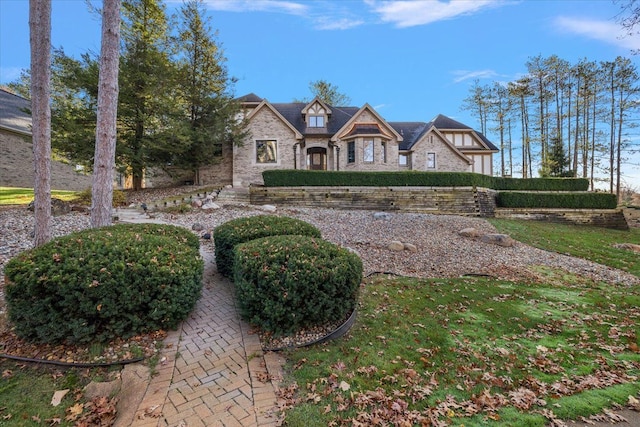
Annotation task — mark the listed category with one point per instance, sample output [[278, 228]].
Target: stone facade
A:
[[265, 125], [321, 137]]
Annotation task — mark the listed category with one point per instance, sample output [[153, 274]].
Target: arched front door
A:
[[317, 158]]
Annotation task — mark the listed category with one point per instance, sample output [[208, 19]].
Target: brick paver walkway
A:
[[212, 370]]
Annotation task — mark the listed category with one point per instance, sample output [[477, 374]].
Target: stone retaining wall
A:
[[606, 218], [468, 201]]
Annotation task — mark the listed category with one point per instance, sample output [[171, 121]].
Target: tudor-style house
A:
[[318, 136]]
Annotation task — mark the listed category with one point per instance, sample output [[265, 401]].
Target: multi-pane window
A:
[[266, 151], [403, 160], [367, 156], [351, 152], [316, 121], [431, 160]]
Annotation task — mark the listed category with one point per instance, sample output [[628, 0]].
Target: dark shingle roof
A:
[[12, 113], [292, 111], [250, 98], [411, 132]]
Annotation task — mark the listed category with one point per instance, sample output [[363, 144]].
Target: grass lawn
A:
[[593, 243], [24, 196], [478, 351]]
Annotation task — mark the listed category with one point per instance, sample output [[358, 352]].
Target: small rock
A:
[[469, 232], [628, 246], [410, 247], [210, 205], [382, 215], [396, 246], [498, 239], [197, 203], [206, 236], [267, 208], [197, 227]]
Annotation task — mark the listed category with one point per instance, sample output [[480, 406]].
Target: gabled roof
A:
[[319, 101], [273, 109], [408, 133], [446, 123], [13, 113], [366, 107], [411, 132]]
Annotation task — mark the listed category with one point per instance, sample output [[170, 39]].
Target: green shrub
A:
[[294, 178], [541, 184], [99, 284], [514, 199], [234, 232], [286, 283], [84, 198], [302, 178]]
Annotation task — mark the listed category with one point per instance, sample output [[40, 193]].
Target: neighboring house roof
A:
[[13, 113]]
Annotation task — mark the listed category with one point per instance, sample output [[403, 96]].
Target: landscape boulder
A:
[[469, 232], [396, 246], [498, 239]]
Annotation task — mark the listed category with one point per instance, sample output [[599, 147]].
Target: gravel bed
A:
[[441, 251]]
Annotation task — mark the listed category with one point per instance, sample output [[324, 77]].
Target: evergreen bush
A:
[[515, 199], [302, 178], [287, 283], [226, 236], [99, 284]]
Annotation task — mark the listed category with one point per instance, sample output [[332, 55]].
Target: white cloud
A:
[[605, 31], [333, 23], [409, 13], [462, 75], [290, 7]]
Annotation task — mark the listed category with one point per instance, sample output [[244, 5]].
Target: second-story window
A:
[[316, 121]]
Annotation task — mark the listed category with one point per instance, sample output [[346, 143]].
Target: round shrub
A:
[[287, 283], [99, 284], [234, 232]]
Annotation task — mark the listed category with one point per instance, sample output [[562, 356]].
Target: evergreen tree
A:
[[328, 93], [211, 125]]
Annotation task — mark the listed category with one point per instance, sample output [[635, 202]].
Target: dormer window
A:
[[316, 114], [316, 121]]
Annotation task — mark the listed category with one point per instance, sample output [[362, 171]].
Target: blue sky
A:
[[410, 60]]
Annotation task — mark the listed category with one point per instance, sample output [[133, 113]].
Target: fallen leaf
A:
[[634, 403], [344, 386], [74, 411], [58, 396], [6, 374]]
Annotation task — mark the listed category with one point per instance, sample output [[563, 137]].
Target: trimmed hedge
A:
[[302, 178], [100, 284], [286, 283], [514, 199], [540, 184], [234, 232]]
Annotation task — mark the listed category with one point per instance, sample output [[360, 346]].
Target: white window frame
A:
[[271, 146], [406, 160]]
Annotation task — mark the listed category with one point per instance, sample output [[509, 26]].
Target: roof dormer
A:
[[316, 114]]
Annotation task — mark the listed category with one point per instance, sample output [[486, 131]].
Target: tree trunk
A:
[[104, 160], [40, 40]]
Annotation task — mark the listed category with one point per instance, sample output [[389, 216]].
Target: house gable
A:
[[266, 104], [367, 117]]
